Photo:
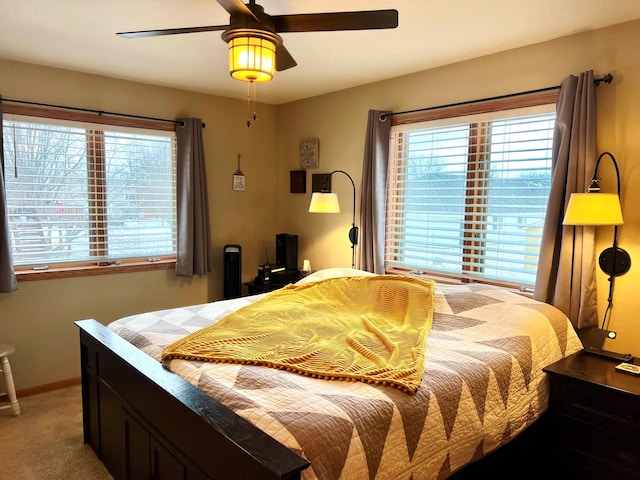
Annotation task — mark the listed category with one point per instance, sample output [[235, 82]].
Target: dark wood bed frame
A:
[[143, 421], [146, 422]]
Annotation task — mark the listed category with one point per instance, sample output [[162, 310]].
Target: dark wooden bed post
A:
[[146, 422]]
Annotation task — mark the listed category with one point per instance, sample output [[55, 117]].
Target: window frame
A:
[[490, 106], [88, 268]]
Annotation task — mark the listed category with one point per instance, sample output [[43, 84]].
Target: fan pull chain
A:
[[248, 105], [255, 96], [251, 97]]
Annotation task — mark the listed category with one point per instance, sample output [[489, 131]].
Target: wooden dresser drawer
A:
[[600, 407], [595, 414], [603, 449]]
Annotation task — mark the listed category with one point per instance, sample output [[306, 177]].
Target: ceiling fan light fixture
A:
[[252, 54]]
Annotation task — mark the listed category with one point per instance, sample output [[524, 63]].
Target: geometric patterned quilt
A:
[[483, 384]]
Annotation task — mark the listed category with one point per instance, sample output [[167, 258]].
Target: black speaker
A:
[[287, 251], [232, 271]]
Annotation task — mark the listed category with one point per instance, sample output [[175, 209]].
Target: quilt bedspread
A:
[[482, 385]]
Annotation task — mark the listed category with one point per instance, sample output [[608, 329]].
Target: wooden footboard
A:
[[146, 422]]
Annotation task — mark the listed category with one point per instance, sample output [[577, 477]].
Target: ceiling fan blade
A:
[[171, 31], [236, 6], [325, 22], [284, 60]]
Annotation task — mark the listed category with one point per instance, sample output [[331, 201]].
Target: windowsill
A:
[[89, 270], [452, 280]]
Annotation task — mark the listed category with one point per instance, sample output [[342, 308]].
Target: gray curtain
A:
[[566, 276], [194, 242], [7, 277], [373, 193]]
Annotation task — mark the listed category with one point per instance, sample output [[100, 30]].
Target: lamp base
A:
[[353, 235], [622, 261], [621, 357], [593, 338]]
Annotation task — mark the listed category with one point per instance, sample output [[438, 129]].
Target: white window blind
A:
[[468, 198], [80, 192]]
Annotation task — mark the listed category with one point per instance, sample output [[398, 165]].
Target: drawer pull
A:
[[600, 413]]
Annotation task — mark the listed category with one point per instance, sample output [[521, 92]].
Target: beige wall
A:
[[38, 318], [338, 120]]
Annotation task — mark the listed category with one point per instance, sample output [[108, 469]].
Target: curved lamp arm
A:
[[353, 232], [614, 261]]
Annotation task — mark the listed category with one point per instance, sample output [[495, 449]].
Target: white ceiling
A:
[[80, 35]]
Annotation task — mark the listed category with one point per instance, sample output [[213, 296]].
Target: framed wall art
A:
[[309, 153], [298, 180]]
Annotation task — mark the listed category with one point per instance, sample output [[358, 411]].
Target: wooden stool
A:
[[5, 351]]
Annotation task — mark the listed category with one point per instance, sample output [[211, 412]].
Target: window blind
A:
[[468, 199], [88, 193]]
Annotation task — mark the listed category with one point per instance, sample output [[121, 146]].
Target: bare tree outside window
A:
[[80, 194]]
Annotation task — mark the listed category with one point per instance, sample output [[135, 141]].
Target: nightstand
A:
[[254, 288], [595, 413], [279, 278]]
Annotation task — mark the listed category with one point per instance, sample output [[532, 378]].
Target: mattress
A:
[[482, 385]]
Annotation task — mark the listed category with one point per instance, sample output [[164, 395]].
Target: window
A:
[[467, 195], [82, 193]]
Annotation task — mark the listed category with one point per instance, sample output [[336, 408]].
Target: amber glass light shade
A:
[[252, 58]]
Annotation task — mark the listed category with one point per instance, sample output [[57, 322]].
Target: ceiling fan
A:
[[250, 21]]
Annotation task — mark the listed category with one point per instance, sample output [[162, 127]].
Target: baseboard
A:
[[27, 392]]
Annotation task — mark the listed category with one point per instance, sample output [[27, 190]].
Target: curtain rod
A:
[[99, 112], [608, 78]]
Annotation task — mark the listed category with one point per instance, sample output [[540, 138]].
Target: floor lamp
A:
[[327, 202]]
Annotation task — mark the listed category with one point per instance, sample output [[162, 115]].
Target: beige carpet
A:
[[45, 441]]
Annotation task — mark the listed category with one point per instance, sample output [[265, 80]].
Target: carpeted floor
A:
[[45, 441]]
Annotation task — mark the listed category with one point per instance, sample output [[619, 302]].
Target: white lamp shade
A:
[[324, 203], [593, 209]]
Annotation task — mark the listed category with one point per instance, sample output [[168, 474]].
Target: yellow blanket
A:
[[371, 328]]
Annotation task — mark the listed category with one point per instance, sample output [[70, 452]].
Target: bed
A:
[[482, 387]]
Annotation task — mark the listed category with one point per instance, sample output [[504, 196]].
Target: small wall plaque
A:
[[238, 181], [309, 153], [238, 178], [298, 180]]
